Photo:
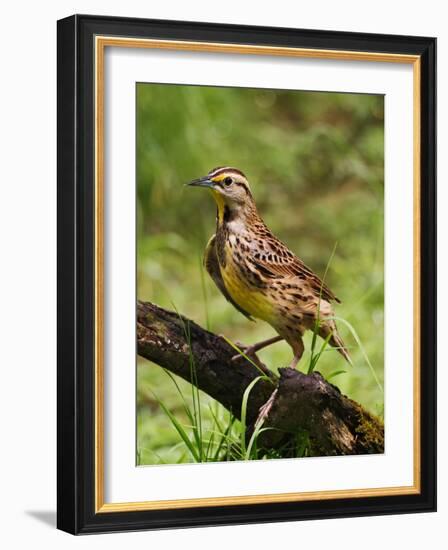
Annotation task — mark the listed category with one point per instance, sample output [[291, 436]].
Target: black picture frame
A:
[[76, 253]]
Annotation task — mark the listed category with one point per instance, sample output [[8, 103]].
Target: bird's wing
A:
[[277, 261], [211, 264]]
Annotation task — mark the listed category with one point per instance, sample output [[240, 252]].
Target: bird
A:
[[259, 275]]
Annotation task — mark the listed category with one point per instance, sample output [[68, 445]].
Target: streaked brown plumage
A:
[[258, 274]]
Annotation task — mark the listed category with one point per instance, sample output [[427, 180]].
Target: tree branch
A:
[[335, 424]]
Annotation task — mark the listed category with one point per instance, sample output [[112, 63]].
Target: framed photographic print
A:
[[246, 274]]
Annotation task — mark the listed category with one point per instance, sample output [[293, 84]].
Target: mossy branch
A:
[[336, 425]]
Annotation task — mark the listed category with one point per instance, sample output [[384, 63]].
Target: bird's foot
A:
[[296, 358], [248, 351], [293, 364], [265, 409]]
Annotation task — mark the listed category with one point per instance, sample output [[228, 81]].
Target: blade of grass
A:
[[302, 444], [253, 441], [313, 363], [195, 393], [244, 411], [223, 434], [197, 429], [179, 428], [224, 438], [316, 358], [361, 347], [209, 446], [335, 373], [184, 402], [151, 451]]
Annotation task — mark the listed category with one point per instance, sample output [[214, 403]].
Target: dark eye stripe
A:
[[241, 184]]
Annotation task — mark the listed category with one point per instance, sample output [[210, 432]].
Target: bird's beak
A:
[[202, 182]]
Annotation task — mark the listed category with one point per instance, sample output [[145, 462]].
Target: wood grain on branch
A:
[[335, 424]]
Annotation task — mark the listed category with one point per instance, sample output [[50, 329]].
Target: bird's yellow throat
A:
[[220, 203]]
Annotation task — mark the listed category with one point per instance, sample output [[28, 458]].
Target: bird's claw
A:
[[251, 356], [248, 351], [265, 409]]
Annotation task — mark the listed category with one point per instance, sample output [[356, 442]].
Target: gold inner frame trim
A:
[[101, 42]]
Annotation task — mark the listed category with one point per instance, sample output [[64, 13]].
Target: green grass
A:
[[217, 436], [212, 434]]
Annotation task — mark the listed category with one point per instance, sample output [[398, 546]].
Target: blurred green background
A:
[[315, 162]]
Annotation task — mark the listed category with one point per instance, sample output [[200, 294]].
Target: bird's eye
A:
[[228, 180]]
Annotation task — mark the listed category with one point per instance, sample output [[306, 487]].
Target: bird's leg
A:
[[298, 349], [250, 351], [265, 343]]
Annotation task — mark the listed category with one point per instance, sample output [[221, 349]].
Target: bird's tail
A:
[[335, 340]]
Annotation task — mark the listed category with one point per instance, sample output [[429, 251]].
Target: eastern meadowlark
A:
[[258, 274]]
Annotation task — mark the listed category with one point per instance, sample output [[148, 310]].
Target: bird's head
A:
[[229, 187]]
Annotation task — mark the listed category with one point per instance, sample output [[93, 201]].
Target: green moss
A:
[[369, 430]]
